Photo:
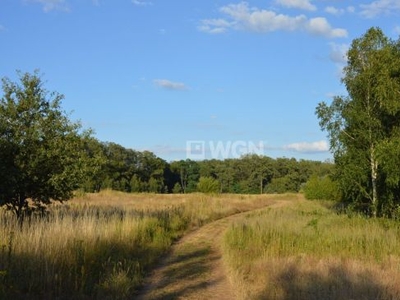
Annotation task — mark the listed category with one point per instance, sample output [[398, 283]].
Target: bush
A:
[[208, 185], [321, 188]]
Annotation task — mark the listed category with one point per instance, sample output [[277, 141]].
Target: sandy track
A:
[[194, 269]]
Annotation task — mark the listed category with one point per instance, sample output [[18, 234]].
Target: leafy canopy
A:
[[42, 152], [364, 126]]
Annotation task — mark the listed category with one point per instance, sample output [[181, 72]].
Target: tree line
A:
[[129, 170], [45, 157]]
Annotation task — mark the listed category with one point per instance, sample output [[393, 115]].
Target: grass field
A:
[[99, 246], [307, 251]]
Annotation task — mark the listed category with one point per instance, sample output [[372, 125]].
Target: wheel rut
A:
[[194, 268]]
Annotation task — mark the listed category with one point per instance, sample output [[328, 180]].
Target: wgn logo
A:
[[199, 150]]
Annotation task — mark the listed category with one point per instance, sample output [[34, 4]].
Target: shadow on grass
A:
[[339, 283], [185, 274]]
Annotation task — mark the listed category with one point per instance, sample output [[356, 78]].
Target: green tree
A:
[[136, 185], [321, 188], [42, 152], [208, 185], [364, 127], [177, 188], [94, 179], [188, 174]]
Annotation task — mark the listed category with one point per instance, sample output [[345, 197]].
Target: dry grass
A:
[[306, 251], [101, 245]]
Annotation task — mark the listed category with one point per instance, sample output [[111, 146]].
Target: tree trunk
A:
[[374, 175], [19, 209]]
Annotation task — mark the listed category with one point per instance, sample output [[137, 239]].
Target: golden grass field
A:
[[100, 246]]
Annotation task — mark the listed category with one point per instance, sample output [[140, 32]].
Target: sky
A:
[[193, 79]]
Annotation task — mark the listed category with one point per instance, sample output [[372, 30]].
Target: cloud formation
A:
[[305, 147], [242, 17], [50, 5], [339, 11], [379, 7], [338, 53], [170, 85], [141, 2], [301, 4]]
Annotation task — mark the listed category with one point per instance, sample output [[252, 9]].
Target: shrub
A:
[[321, 188], [208, 185]]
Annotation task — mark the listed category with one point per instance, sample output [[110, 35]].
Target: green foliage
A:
[[43, 154], [279, 186], [136, 184], [133, 171], [208, 185], [177, 188], [46, 157], [321, 188], [187, 173], [364, 127]]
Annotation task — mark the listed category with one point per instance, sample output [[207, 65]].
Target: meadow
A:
[[307, 251], [100, 246]]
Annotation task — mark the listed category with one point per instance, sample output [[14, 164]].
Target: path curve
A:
[[194, 269]]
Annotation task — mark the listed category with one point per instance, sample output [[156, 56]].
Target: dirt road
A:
[[194, 269]]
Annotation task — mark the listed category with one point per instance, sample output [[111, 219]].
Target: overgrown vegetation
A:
[[321, 188], [101, 245], [307, 251]]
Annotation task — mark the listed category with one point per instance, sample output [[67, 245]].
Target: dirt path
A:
[[194, 269]]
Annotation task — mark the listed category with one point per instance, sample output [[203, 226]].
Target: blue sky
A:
[[164, 75]]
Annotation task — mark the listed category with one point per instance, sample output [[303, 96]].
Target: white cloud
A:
[[320, 26], [170, 85], [214, 26], [333, 10], [301, 4], [141, 2], [338, 56], [350, 9], [319, 146], [241, 16], [338, 53], [50, 5], [379, 7], [339, 11]]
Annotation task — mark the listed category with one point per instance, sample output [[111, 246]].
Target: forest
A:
[[128, 170]]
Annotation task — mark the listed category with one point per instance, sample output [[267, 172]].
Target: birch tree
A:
[[363, 125]]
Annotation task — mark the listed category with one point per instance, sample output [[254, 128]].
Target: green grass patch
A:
[[280, 244]]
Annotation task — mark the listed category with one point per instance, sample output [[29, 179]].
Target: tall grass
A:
[[84, 252], [99, 246], [306, 251]]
